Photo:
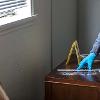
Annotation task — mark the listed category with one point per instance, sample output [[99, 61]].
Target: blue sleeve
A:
[[96, 45]]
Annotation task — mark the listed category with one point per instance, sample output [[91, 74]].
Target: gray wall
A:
[[88, 23], [25, 56], [64, 21], [25, 53]]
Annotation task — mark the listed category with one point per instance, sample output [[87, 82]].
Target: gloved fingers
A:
[[82, 63], [79, 67], [90, 65]]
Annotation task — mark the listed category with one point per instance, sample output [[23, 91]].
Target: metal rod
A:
[[73, 70]]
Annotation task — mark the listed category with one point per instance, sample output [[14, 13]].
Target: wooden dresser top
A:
[[90, 79]]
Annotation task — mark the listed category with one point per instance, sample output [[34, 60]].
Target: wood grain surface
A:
[[72, 87]]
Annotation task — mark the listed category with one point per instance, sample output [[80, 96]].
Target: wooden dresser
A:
[[71, 87]]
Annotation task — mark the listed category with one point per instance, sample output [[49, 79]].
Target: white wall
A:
[[25, 56], [64, 28], [89, 23]]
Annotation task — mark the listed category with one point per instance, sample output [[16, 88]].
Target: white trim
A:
[[17, 24]]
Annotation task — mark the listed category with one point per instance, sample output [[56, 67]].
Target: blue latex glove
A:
[[87, 60]]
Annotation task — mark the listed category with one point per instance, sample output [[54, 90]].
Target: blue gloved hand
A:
[[88, 60]]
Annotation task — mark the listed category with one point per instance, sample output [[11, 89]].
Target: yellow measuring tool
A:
[[76, 48]]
